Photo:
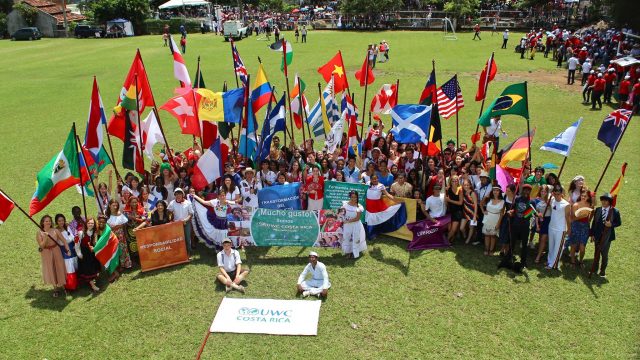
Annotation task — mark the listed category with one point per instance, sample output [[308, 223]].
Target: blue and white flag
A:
[[316, 119], [411, 123], [248, 146], [563, 142], [280, 197], [275, 123]]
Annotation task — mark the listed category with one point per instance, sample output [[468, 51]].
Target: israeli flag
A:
[[411, 123], [563, 142]]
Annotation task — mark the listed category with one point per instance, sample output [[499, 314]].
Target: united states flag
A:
[[241, 70], [446, 96]]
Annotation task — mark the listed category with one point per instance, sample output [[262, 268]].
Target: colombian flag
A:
[[261, 93]]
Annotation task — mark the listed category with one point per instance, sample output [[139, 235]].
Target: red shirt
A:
[[317, 186], [591, 79], [598, 85], [582, 54], [609, 77], [636, 89], [624, 87]]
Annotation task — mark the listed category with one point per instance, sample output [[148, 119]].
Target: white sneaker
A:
[[475, 243], [305, 293], [227, 288]]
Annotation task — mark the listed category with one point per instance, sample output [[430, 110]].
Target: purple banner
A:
[[429, 234]]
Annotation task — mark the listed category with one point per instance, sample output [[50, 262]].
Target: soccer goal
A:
[[448, 30]]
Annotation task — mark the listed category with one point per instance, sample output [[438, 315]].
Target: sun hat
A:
[[177, 190], [227, 240], [313, 253]]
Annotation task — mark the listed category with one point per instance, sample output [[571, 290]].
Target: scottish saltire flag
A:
[[275, 123], [613, 126], [563, 142], [238, 65], [449, 97], [248, 146], [411, 123]]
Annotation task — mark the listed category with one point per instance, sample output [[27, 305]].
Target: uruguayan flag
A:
[[411, 123], [563, 142]]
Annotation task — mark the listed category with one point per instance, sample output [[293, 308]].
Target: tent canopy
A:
[[180, 3], [626, 61]]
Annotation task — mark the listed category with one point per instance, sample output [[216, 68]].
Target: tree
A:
[[369, 8], [6, 6], [461, 8], [29, 14], [625, 13], [135, 11]]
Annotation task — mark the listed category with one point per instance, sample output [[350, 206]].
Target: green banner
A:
[[284, 227], [335, 192]]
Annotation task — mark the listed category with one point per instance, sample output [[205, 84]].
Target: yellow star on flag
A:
[[338, 70]]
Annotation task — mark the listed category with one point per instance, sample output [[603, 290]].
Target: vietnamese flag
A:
[[335, 69], [488, 73], [365, 74]]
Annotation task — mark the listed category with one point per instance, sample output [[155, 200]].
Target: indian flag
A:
[[60, 173], [283, 46], [107, 250]]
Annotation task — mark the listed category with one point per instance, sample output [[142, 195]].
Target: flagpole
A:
[[26, 214], [614, 151], [195, 104], [157, 114], [135, 76], [95, 191], [224, 89], [345, 76], [364, 101], [246, 118], [195, 110], [300, 110], [486, 86], [286, 77], [234, 66], [526, 98], [266, 118], [75, 138], [457, 110]]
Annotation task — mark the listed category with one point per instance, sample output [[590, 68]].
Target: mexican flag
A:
[[107, 250], [60, 173], [283, 46]]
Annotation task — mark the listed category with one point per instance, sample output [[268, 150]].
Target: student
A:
[[353, 237], [559, 224], [318, 284], [231, 273], [182, 210], [605, 219], [53, 268]]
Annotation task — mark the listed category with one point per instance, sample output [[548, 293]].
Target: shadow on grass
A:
[[43, 299]]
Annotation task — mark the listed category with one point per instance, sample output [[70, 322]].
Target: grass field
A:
[[429, 304]]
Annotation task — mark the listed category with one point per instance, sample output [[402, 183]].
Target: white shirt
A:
[[180, 210], [558, 220], [270, 176], [351, 176], [319, 273], [246, 190], [573, 63], [586, 67], [229, 262], [505, 35], [435, 205]]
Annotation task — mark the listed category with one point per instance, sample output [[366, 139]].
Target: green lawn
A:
[[430, 304]]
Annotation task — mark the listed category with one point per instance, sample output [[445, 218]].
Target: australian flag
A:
[[613, 127]]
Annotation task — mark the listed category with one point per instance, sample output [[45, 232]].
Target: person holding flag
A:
[[53, 267], [559, 226]]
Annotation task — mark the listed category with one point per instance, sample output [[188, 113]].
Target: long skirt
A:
[[53, 268], [353, 239]]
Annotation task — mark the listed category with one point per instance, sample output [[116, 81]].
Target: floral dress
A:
[[117, 225]]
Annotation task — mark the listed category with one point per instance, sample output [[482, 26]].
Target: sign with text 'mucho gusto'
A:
[[162, 246]]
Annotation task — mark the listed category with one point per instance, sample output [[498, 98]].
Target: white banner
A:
[[267, 316]]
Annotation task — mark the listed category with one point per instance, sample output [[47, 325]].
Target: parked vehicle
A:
[[234, 29], [86, 31], [28, 33]]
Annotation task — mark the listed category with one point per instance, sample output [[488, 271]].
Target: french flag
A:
[[209, 167]]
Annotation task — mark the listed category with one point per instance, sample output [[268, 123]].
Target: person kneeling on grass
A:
[[319, 284], [231, 272]]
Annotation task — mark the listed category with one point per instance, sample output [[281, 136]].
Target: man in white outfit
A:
[[435, 205], [559, 224], [318, 284]]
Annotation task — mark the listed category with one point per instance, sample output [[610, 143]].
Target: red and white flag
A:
[[385, 99], [209, 167], [179, 68], [6, 206], [183, 108], [488, 73]]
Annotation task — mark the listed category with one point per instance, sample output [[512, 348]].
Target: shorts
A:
[[543, 228], [456, 215], [232, 274]]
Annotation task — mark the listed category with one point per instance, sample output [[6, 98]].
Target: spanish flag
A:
[[616, 187]]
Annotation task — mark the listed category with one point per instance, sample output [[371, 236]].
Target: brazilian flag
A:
[[512, 101]]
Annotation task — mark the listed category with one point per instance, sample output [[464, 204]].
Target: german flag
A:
[[517, 150]]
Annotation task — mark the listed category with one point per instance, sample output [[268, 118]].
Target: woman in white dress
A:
[[353, 236], [220, 208], [492, 217]]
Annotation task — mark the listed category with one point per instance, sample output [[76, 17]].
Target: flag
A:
[[315, 121], [615, 190], [488, 73], [529, 212], [182, 107], [238, 65], [411, 123], [349, 109], [613, 126], [449, 98], [220, 106], [512, 101], [298, 101], [428, 95], [261, 93], [435, 133], [334, 136], [275, 122], [6, 206], [151, 134], [59, 174], [355, 148], [107, 250], [208, 168], [324, 113], [116, 126], [198, 81], [476, 137], [517, 150], [385, 99], [334, 69], [283, 46], [365, 74], [180, 71], [131, 158], [563, 142], [248, 145], [93, 135], [503, 177]]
